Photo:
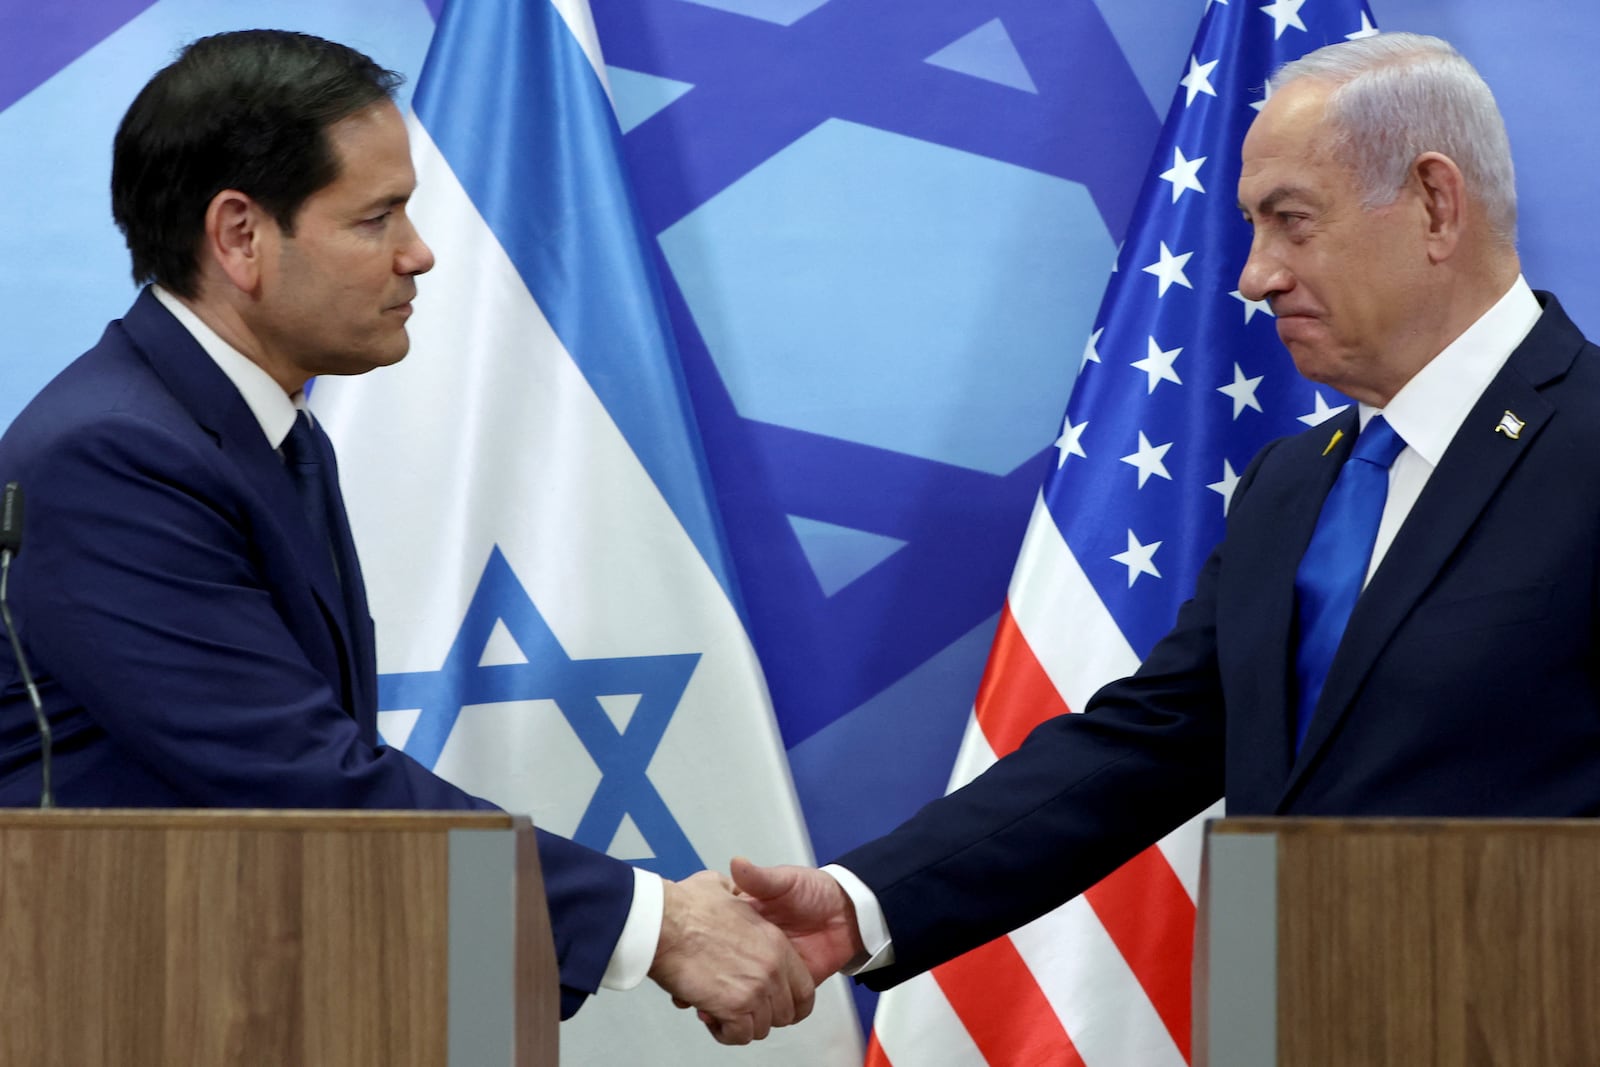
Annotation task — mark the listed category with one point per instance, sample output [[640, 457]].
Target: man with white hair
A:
[[1401, 618]]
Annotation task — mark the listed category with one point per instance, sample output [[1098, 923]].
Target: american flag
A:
[[1183, 380]]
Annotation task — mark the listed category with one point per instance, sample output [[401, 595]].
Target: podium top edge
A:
[[259, 819], [1283, 825]]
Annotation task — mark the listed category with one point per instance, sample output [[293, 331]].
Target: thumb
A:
[[762, 883]]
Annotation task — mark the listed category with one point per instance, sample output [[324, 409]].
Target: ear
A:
[[1442, 192], [237, 230]]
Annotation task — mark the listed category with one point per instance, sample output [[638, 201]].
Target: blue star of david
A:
[[862, 61], [575, 687]]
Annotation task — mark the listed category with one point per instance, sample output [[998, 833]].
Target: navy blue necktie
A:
[[309, 461], [303, 458], [1334, 567]]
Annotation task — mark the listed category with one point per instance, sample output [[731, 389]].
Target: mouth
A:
[[1295, 321]]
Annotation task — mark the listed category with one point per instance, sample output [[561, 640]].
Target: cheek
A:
[[1344, 282], [1387, 285]]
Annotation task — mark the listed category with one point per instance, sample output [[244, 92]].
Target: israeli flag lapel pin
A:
[[1510, 425]]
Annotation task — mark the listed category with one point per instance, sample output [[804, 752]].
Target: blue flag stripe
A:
[[577, 242]]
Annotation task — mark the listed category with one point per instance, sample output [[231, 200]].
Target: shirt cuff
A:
[[869, 922], [636, 948]]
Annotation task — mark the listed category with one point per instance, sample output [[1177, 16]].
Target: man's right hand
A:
[[716, 954], [809, 907]]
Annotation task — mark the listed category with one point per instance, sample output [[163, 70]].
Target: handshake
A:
[[747, 951]]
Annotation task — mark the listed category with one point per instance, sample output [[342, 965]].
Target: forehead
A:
[[373, 151], [1289, 143]]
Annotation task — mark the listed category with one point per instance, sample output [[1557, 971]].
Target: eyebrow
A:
[[1277, 196], [393, 200]]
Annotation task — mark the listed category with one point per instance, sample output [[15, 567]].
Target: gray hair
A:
[[1398, 95]]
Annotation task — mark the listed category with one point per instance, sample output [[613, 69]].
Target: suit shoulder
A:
[[105, 416], [109, 384]]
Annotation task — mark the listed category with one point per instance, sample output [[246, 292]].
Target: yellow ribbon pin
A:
[[1333, 441]]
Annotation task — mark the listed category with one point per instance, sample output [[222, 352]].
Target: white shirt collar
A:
[[1430, 408], [274, 409]]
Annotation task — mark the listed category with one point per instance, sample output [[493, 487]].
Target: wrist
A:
[[672, 926]]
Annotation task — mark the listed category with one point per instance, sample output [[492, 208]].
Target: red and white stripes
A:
[[1103, 981]]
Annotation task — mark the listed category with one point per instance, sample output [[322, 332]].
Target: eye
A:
[[1295, 224]]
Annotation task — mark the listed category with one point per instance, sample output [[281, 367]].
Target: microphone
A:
[[11, 518], [10, 545]]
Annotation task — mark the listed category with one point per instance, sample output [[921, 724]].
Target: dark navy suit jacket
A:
[[1467, 682], [187, 628]]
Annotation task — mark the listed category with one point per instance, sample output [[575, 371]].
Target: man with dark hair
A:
[[245, 110], [190, 596]]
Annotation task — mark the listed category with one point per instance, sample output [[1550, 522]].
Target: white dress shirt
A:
[[1430, 408]]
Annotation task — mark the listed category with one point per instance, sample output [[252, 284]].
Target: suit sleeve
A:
[[146, 596], [1083, 794]]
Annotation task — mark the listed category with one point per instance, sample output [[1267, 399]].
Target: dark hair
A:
[[246, 111]]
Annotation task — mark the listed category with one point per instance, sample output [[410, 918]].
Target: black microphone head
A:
[[11, 517]]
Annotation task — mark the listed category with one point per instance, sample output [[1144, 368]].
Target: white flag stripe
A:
[[1074, 637], [973, 758], [1093, 991], [1182, 848], [916, 1025]]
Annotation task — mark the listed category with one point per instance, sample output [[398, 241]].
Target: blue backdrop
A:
[[883, 226]]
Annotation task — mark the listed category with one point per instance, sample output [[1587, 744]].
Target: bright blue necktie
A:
[[1334, 567]]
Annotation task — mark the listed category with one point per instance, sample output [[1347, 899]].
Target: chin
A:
[[392, 351], [1312, 364], [371, 361]]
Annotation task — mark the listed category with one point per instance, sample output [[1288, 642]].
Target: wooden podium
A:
[[212, 938], [1347, 943]]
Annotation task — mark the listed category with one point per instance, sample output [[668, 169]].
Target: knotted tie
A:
[[303, 458], [1334, 567]]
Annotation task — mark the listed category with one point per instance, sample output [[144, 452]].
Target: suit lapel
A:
[[1469, 475], [215, 404]]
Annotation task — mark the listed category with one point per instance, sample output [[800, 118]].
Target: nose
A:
[[1264, 274], [414, 256]]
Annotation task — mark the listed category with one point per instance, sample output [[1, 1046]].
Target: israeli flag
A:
[[557, 625]]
